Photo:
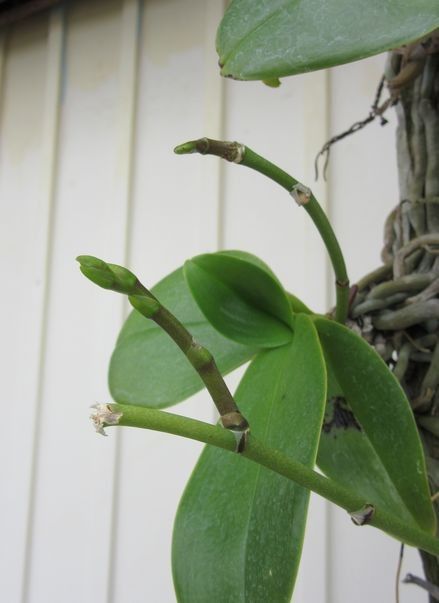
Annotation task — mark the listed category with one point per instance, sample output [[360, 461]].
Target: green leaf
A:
[[259, 40], [241, 298], [383, 411], [297, 305], [148, 369], [239, 529], [347, 456]]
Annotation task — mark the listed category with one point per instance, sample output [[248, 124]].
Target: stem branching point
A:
[[118, 278]]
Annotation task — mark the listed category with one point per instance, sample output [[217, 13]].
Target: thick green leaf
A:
[[239, 528], [241, 298], [347, 456], [296, 304], [383, 411], [148, 369], [259, 40]]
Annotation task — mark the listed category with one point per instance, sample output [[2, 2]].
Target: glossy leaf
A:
[[260, 40], [297, 305], [241, 298], [383, 411], [239, 528], [347, 456], [148, 369]]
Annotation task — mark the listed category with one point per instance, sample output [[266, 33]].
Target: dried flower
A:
[[102, 416]]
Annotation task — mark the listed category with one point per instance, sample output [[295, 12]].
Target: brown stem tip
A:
[[230, 151]]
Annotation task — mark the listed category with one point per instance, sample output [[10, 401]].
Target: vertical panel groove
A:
[[327, 301], [327, 194], [3, 45], [212, 225], [330, 297], [317, 131], [211, 233], [129, 75], [55, 51], [2, 65], [330, 293]]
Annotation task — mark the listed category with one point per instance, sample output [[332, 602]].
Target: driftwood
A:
[[396, 307]]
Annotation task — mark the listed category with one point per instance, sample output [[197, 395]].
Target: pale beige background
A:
[[91, 105]]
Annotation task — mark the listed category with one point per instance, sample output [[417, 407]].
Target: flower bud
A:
[[147, 306], [109, 276]]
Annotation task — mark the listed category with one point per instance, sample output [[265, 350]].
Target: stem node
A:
[[363, 515], [301, 194]]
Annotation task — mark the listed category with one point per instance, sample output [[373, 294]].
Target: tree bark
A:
[[401, 317]]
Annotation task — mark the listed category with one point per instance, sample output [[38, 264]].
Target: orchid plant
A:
[[314, 393]]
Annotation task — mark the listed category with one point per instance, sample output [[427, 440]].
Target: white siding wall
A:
[[92, 101]]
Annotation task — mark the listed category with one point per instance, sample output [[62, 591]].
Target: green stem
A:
[[238, 153], [146, 418], [204, 363], [120, 279]]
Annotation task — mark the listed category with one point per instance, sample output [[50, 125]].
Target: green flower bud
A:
[[147, 306], [96, 270], [108, 276], [125, 280]]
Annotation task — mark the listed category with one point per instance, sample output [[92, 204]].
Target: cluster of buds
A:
[[119, 279]]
